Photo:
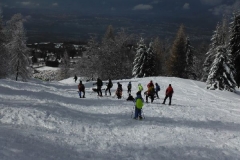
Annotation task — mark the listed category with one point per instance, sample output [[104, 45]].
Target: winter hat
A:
[[139, 84]]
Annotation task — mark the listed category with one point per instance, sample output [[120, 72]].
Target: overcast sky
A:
[[199, 15], [216, 7]]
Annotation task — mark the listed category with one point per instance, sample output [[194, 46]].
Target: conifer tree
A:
[[140, 60], [219, 38], [234, 45], [150, 67], [221, 74], [189, 70], [17, 49], [158, 62], [177, 60]]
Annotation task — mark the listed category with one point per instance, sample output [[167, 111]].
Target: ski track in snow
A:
[[47, 120]]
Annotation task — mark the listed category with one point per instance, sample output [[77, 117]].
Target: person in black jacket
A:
[[130, 97], [75, 78], [109, 86], [99, 84]]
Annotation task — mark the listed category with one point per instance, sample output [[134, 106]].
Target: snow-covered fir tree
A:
[[140, 60], [150, 64], [234, 45], [64, 66], [219, 38], [189, 70], [17, 49], [222, 72]]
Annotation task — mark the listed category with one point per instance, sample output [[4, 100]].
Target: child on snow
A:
[[81, 89], [138, 106], [130, 98], [119, 90]]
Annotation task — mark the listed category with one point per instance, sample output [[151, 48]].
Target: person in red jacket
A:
[[169, 93], [81, 89]]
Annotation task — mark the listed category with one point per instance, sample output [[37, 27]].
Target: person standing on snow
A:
[[157, 89], [129, 87], [150, 92], [169, 93], [99, 84], [81, 89], [109, 86], [138, 106], [119, 90], [75, 78]]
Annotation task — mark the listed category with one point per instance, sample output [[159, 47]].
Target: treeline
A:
[[119, 55]]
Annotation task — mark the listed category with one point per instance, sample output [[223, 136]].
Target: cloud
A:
[[25, 3], [55, 4], [143, 7], [226, 9], [155, 2], [186, 6], [212, 2]]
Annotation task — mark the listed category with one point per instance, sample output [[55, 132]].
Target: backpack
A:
[[110, 84], [81, 87], [158, 88]]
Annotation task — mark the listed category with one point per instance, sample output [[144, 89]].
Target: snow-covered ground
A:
[[47, 120]]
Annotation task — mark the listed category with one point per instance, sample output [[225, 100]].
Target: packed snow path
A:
[[48, 120]]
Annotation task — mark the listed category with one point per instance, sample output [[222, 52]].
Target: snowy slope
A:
[[47, 120]]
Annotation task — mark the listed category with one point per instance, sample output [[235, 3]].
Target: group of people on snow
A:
[[152, 92]]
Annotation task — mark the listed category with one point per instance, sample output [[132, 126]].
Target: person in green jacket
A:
[[140, 88], [138, 106]]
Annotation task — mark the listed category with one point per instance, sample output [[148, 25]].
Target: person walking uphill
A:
[[169, 93], [109, 86], [99, 84], [81, 89], [75, 78], [138, 106]]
